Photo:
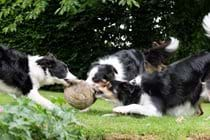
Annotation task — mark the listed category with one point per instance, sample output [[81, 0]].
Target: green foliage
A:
[[20, 11], [25, 120], [129, 3], [17, 12], [80, 31]]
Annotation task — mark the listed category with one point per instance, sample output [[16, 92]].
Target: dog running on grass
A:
[[23, 74]]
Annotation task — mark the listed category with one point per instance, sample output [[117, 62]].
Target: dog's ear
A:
[[114, 70], [94, 64], [46, 62], [50, 55]]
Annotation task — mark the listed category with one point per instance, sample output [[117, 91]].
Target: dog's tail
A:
[[173, 45], [160, 52], [170, 45], [206, 24]]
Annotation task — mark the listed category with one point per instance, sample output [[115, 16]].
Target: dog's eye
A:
[[103, 86]]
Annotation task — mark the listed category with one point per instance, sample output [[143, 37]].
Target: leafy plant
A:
[[17, 12], [25, 120], [80, 31]]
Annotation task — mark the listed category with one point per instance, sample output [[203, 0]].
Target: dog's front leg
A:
[[36, 97], [147, 110]]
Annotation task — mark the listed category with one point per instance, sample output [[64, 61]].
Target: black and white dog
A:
[[125, 65], [175, 91], [122, 66], [23, 74]]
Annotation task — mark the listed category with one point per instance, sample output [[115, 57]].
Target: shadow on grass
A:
[[95, 112]]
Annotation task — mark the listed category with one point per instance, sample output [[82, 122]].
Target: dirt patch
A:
[[199, 137], [129, 137]]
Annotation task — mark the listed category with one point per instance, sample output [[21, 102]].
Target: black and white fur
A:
[[206, 81], [23, 74], [206, 24], [175, 91], [124, 65]]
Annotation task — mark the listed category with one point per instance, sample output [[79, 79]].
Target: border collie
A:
[[206, 81], [125, 65], [174, 91], [23, 74]]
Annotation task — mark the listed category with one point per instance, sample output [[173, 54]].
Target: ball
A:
[[80, 95]]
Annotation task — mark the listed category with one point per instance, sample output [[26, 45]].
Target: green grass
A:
[[5, 98], [98, 127]]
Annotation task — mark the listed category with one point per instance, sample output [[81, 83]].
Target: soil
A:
[[129, 137]]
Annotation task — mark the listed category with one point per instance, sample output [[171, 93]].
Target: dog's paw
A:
[[85, 110], [51, 106], [121, 110]]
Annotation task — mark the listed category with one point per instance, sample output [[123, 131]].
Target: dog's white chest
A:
[[185, 109]]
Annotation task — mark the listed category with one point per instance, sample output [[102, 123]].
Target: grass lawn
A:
[[135, 127]]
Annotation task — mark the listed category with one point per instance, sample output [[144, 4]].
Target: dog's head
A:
[[56, 71], [101, 73], [119, 92]]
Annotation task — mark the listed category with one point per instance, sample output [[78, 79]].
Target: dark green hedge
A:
[[78, 39]]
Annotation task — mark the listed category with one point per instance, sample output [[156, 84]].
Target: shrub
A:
[[25, 120], [80, 31]]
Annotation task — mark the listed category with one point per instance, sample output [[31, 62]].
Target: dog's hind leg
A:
[[199, 110], [36, 97], [147, 110]]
